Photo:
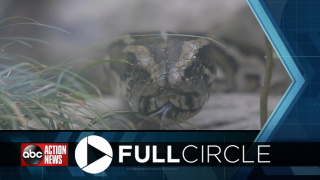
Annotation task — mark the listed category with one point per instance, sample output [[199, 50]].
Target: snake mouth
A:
[[183, 101], [170, 110], [164, 111], [180, 102]]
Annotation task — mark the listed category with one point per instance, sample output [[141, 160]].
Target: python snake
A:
[[167, 75]]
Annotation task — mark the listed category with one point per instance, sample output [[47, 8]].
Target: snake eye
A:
[[188, 73], [135, 70], [206, 56], [206, 78], [195, 70], [202, 65]]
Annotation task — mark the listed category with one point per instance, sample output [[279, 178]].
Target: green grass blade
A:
[[38, 24], [2, 73], [5, 46], [92, 65], [26, 39], [186, 122], [99, 62], [15, 17], [17, 40]]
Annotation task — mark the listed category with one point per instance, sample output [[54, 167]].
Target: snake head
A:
[[169, 71]]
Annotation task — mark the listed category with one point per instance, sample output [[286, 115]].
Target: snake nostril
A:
[[167, 91]]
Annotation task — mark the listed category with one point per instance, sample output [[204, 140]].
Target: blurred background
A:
[[232, 105]]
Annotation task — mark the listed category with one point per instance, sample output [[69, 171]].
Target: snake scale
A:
[[167, 75]]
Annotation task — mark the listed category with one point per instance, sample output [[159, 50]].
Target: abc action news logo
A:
[[44, 154]]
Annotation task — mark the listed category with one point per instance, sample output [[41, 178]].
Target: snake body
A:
[[168, 75]]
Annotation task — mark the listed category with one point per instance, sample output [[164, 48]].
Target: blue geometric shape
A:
[[108, 136], [19, 138], [102, 174], [63, 137], [191, 172], [149, 137], [120, 171], [83, 135], [75, 171], [277, 170], [128, 137], [305, 170], [287, 61], [143, 172], [37, 170], [292, 93], [24, 171]]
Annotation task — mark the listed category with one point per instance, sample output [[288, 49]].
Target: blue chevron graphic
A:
[[286, 103]]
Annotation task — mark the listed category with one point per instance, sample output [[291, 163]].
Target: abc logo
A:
[[32, 154]]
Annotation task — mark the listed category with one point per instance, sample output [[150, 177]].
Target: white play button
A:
[[99, 151]]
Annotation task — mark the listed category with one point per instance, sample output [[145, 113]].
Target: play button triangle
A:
[[94, 154]]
